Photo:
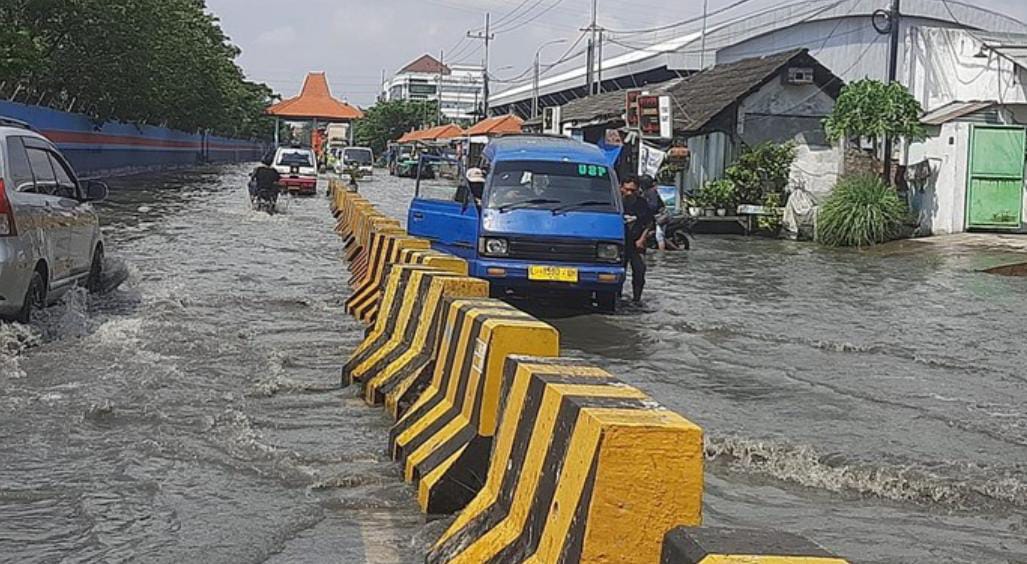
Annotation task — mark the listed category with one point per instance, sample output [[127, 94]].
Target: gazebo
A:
[[314, 103]]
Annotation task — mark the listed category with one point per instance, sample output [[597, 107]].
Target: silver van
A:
[[49, 234]]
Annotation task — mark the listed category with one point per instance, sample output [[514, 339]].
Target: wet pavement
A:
[[873, 401]]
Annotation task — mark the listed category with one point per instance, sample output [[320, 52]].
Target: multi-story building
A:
[[458, 87]]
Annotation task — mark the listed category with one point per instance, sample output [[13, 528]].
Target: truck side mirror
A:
[[95, 190]]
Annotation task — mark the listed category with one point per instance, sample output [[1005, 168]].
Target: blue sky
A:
[[354, 40]]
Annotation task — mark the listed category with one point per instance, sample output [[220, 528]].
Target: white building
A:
[[841, 34], [459, 87]]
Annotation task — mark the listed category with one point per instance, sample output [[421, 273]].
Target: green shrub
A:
[[761, 170], [719, 193], [862, 210]]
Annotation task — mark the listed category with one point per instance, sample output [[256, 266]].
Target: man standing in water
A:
[[638, 221]]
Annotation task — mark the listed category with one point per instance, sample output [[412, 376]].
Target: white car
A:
[[298, 167], [49, 234], [361, 158]]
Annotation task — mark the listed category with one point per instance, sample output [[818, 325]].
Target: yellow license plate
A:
[[553, 273]]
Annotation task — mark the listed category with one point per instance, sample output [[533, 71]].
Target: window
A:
[[46, 180], [551, 185], [18, 162], [295, 158], [356, 156], [422, 89], [66, 185]]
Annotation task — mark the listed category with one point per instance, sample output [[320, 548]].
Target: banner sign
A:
[[649, 160]]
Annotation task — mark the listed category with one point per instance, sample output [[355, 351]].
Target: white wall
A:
[[780, 112], [943, 201], [943, 67]]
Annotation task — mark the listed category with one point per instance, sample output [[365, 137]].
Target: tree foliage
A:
[[389, 120], [871, 108], [161, 62]]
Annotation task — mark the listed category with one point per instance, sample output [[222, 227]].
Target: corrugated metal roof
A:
[[1012, 46], [954, 110]]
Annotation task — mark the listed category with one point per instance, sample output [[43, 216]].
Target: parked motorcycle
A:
[[677, 230]]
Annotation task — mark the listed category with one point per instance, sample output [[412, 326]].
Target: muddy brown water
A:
[[874, 402]]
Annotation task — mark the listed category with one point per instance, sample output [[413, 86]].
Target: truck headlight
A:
[[493, 247], [608, 252]]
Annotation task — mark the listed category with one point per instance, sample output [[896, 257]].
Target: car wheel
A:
[[95, 281], [35, 298]]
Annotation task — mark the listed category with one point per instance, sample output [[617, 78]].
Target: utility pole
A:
[[487, 37], [438, 89], [599, 64], [894, 17], [702, 46], [535, 86], [594, 49]]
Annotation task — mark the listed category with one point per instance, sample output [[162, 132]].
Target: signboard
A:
[[631, 108], [649, 160], [654, 117]]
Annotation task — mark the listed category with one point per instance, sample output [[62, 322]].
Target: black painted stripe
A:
[[573, 546], [390, 323], [456, 407], [447, 373], [424, 355], [460, 439], [498, 511], [410, 329]]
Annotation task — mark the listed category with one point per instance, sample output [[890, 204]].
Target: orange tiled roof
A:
[[315, 101], [448, 131], [426, 64], [497, 125]]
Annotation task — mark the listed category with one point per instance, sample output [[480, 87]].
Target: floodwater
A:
[[874, 402]]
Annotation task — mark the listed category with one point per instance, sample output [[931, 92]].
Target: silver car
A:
[[49, 234]]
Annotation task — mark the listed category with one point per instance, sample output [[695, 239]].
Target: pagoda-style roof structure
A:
[[315, 102]]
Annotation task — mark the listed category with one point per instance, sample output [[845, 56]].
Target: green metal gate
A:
[[995, 180]]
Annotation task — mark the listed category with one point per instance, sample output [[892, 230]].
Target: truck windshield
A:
[[358, 156], [557, 186], [295, 158]]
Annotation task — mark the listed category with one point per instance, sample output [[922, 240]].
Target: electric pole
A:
[[894, 17], [438, 90], [593, 43], [487, 37]]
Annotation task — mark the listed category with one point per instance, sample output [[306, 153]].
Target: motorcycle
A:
[[677, 230], [263, 200]]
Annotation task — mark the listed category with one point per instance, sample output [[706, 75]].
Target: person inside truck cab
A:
[[474, 186], [516, 186]]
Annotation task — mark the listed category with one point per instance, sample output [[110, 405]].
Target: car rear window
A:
[[359, 156], [296, 158]]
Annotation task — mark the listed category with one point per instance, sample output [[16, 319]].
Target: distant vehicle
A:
[[550, 220], [361, 158], [298, 167], [49, 234]]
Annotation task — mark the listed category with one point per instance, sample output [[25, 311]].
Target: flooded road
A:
[[874, 402]]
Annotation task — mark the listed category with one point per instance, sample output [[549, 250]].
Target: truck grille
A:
[[553, 251]]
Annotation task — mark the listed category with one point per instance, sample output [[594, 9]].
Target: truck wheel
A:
[[606, 302], [35, 298]]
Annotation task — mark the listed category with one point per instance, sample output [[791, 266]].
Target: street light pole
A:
[[538, 72]]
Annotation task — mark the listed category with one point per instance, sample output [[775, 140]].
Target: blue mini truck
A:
[[549, 220]]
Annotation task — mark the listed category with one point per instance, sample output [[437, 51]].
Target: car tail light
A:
[[7, 228]]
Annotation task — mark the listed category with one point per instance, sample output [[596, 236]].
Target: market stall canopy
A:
[[498, 125], [315, 102]]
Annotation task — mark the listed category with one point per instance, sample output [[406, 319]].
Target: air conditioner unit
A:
[[800, 75]]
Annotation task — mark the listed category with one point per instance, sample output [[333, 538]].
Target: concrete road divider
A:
[[405, 312], [434, 259], [384, 251], [704, 545], [365, 259], [421, 344], [444, 440], [583, 469]]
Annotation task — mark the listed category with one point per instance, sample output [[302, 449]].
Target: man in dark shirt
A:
[[265, 180], [638, 221]]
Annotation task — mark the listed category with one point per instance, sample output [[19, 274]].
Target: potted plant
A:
[[720, 194]]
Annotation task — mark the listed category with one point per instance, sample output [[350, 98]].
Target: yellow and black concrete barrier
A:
[[583, 469], [710, 545], [445, 439]]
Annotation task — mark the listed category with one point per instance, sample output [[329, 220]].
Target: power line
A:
[[678, 23], [544, 11]]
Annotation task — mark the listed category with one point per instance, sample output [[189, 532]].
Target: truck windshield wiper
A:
[[585, 204], [526, 203]]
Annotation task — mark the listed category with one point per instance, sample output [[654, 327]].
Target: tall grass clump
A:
[[861, 211]]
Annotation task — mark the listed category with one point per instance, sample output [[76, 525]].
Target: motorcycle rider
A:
[[264, 181]]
